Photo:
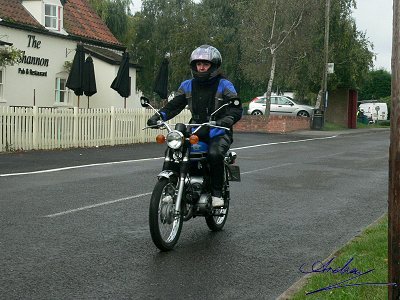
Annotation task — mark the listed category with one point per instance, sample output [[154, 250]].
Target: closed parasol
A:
[[122, 83], [75, 77], [89, 78], [161, 82]]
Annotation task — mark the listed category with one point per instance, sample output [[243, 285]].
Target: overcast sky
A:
[[373, 17], [136, 5]]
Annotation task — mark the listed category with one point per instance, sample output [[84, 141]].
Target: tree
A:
[[268, 25], [115, 13], [166, 27], [376, 86], [265, 44], [222, 21], [300, 63], [349, 50], [9, 56]]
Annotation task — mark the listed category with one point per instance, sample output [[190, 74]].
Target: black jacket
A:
[[203, 98]]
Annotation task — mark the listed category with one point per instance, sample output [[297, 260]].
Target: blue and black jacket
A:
[[202, 99]]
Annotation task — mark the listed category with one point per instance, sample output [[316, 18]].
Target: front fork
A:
[[184, 169]]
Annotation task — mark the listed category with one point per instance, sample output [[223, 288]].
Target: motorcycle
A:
[[183, 190]]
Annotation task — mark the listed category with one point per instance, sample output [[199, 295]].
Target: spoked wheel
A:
[[217, 219], [165, 226]]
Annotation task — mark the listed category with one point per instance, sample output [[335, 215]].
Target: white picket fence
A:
[[34, 128]]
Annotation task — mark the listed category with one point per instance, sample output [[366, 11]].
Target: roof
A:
[[14, 11], [106, 55], [80, 20]]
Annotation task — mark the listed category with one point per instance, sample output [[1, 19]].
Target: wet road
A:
[[73, 224]]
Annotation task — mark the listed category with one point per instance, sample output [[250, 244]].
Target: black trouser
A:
[[218, 147]]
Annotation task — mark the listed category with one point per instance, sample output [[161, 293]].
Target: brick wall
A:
[[273, 124]]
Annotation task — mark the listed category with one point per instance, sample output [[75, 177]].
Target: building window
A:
[[2, 71], [52, 16], [62, 92]]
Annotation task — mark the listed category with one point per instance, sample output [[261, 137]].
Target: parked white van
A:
[[376, 111]]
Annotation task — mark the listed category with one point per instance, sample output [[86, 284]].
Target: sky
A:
[[136, 5], [374, 17]]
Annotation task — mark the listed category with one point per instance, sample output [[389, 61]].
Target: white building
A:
[[48, 32]]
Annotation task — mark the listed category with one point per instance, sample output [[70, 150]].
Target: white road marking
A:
[[263, 169], [94, 205], [149, 193], [146, 159], [288, 142], [78, 167]]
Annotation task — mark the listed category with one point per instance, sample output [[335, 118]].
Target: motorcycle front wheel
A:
[[165, 225]]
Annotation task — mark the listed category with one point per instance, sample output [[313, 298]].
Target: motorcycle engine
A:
[[203, 205], [193, 189]]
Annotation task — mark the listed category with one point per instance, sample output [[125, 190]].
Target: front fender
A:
[[167, 174]]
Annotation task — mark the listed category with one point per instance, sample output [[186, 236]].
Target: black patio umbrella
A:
[[75, 77], [161, 83], [122, 83], [89, 78]]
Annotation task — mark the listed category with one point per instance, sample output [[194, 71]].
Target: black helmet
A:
[[206, 53]]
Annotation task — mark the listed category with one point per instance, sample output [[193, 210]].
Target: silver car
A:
[[280, 105]]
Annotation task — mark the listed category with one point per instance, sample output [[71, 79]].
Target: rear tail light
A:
[[254, 100]]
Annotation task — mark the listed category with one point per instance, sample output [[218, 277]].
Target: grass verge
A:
[[369, 251]]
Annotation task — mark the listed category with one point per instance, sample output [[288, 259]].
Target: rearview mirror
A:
[[144, 101], [235, 102]]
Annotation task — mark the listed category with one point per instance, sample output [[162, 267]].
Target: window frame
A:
[[54, 18], [274, 100], [61, 92], [2, 81], [260, 100]]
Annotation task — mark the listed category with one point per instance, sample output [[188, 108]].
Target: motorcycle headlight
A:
[[174, 139]]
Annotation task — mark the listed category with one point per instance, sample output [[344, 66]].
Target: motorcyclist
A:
[[203, 94]]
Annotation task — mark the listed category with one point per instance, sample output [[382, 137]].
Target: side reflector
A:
[[160, 139], [194, 139]]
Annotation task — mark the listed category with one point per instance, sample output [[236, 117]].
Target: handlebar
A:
[[161, 124], [210, 124]]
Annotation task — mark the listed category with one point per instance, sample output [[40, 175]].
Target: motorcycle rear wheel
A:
[[165, 226], [217, 220]]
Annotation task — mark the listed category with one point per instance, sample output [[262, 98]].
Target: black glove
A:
[[153, 120], [225, 122]]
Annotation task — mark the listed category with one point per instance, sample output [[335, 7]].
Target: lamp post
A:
[[326, 52], [320, 105]]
